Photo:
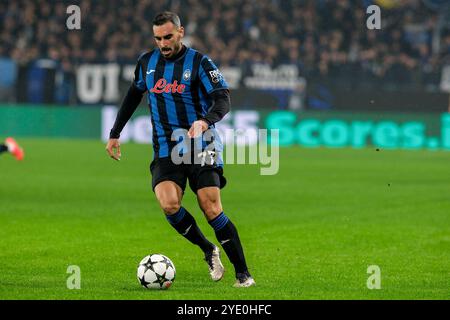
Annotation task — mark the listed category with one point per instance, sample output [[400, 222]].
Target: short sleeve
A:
[[210, 76]]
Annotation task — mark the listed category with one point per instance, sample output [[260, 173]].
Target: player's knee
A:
[[211, 208], [170, 206]]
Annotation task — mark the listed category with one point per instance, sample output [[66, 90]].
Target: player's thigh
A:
[[209, 201], [168, 183], [205, 176], [163, 169], [169, 195]]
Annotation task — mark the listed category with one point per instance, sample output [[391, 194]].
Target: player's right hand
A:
[[113, 149]]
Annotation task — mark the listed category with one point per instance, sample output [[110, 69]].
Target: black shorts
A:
[[163, 169]]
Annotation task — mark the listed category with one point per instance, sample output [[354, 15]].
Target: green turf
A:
[[309, 232]]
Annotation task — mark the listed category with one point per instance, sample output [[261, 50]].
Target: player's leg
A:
[[215, 266], [3, 148], [13, 147], [226, 232], [169, 196]]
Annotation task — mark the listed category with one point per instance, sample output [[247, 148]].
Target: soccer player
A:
[[12, 147], [185, 90]]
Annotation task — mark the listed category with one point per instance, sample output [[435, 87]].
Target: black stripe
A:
[[207, 67], [155, 141], [154, 137], [144, 65], [177, 97], [161, 103], [206, 95], [195, 84], [145, 59], [136, 71]]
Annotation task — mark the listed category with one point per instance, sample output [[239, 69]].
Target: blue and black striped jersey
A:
[[178, 92]]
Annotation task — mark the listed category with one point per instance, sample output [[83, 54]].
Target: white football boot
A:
[[216, 269], [244, 280]]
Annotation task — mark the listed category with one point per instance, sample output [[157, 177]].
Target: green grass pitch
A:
[[309, 232]]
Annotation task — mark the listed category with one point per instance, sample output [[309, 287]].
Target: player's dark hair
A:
[[167, 16]]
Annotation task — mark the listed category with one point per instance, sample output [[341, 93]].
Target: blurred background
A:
[[293, 55]]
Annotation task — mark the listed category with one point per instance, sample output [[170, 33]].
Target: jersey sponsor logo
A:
[[149, 72], [162, 86], [215, 75]]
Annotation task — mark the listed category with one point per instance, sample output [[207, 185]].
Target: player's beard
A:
[[173, 51]]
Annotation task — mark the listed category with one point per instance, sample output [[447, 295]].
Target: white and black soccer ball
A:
[[156, 271]]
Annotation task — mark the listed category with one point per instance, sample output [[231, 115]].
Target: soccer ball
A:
[[156, 271]]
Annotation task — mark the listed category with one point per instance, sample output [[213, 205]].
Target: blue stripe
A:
[[187, 97], [140, 83], [218, 147], [222, 224], [150, 80], [203, 102], [176, 217], [205, 79], [170, 104], [219, 222]]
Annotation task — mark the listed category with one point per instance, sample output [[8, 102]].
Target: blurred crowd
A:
[[326, 39]]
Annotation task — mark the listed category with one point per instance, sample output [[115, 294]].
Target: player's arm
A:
[[128, 107], [221, 105], [217, 88]]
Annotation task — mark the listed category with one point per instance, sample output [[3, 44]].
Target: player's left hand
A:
[[197, 128]]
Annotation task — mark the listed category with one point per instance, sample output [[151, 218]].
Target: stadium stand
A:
[[327, 41]]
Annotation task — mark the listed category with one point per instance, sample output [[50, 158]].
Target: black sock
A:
[[228, 237], [185, 224], [3, 148]]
